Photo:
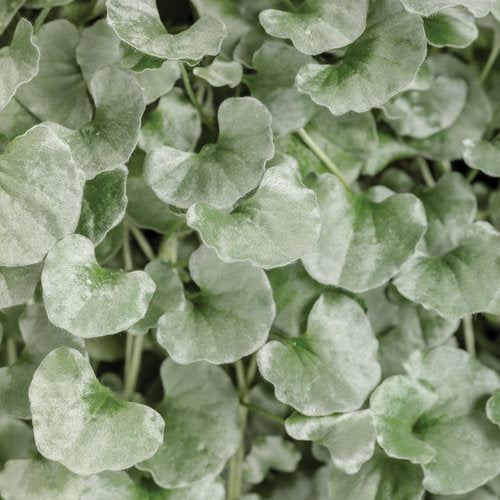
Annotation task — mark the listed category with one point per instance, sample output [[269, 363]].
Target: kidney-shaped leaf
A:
[[201, 407], [79, 423], [452, 27], [220, 173], [87, 300], [40, 198], [229, 318], [479, 8], [332, 367], [274, 227], [362, 243], [380, 63]]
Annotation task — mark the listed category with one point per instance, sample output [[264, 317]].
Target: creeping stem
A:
[[426, 172], [469, 335]]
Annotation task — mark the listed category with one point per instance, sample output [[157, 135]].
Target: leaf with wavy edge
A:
[[479, 8], [483, 155], [452, 27], [220, 73]]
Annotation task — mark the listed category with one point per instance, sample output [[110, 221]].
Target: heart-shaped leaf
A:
[[220, 173], [138, 23], [229, 318], [18, 62], [78, 423], [87, 300], [40, 198], [220, 73], [332, 367], [200, 402], [452, 27], [362, 243], [274, 227], [380, 63], [17, 284], [479, 8]]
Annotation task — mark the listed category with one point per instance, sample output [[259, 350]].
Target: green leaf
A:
[[15, 120], [318, 25], [17, 284], [169, 296], [349, 438], [362, 243], [421, 114], [109, 139], [78, 423], [199, 491], [110, 486], [479, 8], [379, 64], [103, 206], [483, 155], [201, 407], [8, 10], [16, 441], [270, 452], [14, 383], [332, 367], [87, 300], [452, 27], [175, 122], [138, 23], [229, 318], [40, 198], [18, 62], [277, 65], [220, 73], [274, 227], [58, 92], [493, 407], [220, 173]]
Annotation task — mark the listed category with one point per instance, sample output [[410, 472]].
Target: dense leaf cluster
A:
[[249, 249]]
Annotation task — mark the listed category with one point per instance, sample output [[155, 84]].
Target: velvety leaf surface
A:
[[229, 318], [87, 300], [483, 155], [349, 438], [16, 441], [8, 10], [362, 243], [220, 173], [220, 73], [138, 23], [317, 26], [332, 367], [15, 120], [41, 195], [272, 228], [200, 405], [493, 407], [452, 27], [17, 284], [14, 382], [427, 7], [18, 62], [78, 423], [380, 63]]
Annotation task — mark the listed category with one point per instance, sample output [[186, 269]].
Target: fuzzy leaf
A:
[[8, 10], [380, 63], [274, 227], [200, 402], [40, 197], [362, 243], [220, 173], [87, 300], [16, 441], [332, 367], [220, 73], [493, 407], [483, 155], [479, 8], [229, 318], [17, 284], [452, 27]]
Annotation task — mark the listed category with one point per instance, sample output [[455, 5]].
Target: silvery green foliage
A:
[[249, 249]]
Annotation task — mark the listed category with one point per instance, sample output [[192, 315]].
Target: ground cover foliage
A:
[[249, 249]]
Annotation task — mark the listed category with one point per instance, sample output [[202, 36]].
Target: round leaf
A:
[[221, 73], [479, 8], [483, 155], [453, 27], [17, 284]]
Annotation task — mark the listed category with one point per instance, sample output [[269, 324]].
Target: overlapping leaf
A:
[[17, 284], [452, 27], [427, 7]]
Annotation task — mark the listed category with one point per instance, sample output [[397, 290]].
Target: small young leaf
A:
[[201, 407], [220, 173], [87, 300], [17, 284], [332, 367], [273, 228], [78, 423], [452, 27], [229, 318], [220, 73]]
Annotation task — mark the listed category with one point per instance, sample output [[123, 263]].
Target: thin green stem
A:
[[251, 371], [127, 253], [240, 377], [290, 5], [132, 368], [491, 60], [472, 175], [187, 84], [492, 125], [11, 351], [426, 172], [468, 328], [308, 140], [142, 241], [265, 413], [41, 17], [444, 165]]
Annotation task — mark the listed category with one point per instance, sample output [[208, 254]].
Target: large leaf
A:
[[18, 62], [332, 367], [452, 27], [17, 284], [229, 318], [318, 25], [380, 63], [40, 198], [58, 92], [138, 23], [201, 407], [362, 243], [220, 173], [427, 7], [78, 423], [274, 227], [87, 300]]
